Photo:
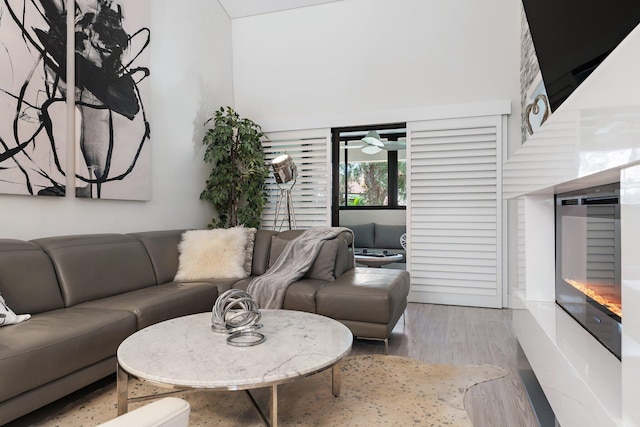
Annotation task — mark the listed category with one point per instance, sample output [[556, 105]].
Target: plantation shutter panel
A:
[[455, 211], [311, 194], [602, 234]]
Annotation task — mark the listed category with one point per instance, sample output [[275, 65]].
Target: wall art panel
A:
[[33, 111], [112, 75]]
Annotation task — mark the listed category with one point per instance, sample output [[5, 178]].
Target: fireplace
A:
[[588, 285]]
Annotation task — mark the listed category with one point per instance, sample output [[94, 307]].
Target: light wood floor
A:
[[465, 335]]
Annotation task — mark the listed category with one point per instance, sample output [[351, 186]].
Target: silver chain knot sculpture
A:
[[236, 313]]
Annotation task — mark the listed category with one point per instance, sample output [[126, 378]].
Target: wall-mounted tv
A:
[[572, 37]]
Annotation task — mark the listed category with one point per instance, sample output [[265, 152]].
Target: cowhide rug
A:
[[376, 390]]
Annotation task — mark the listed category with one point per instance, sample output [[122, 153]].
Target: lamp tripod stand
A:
[[285, 195]]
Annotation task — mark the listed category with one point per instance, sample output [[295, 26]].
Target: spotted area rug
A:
[[376, 390]]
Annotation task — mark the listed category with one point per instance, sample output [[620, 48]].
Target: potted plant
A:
[[236, 185]]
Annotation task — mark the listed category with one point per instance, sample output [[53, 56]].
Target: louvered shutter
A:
[[311, 194], [455, 211], [602, 264]]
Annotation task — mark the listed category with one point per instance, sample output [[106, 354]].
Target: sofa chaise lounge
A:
[[87, 293]]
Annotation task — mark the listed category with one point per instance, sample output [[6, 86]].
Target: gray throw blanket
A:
[[296, 259]]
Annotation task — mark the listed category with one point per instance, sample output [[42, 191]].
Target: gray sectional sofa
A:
[[87, 293]]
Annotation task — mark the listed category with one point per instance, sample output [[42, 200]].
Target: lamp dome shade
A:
[[284, 170]]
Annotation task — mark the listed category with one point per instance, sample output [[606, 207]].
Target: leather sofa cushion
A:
[[57, 343], [162, 247], [261, 251], [28, 281], [95, 266], [242, 284], [344, 258], [324, 265], [158, 303], [371, 295], [300, 296]]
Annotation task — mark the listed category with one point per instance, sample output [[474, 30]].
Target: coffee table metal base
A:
[[272, 421]]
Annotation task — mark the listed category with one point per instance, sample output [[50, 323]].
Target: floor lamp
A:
[[286, 173]]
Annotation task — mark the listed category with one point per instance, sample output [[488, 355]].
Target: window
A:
[[370, 166]]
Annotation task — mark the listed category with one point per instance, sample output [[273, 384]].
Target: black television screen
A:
[[572, 37]]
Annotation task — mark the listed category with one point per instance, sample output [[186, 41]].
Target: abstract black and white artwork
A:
[[112, 68], [33, 86], [110, 88]]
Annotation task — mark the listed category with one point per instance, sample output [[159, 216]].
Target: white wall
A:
[[630, 214], [343, 63], [382, 216], [191, 76]]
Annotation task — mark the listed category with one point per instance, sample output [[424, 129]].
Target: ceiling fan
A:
[[375, 143]]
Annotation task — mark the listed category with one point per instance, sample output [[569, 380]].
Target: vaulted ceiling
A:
[[242, 8]]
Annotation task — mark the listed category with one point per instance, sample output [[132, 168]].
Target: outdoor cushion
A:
[[363, 235], [388, 236]]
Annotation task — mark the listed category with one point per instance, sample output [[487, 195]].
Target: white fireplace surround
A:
[[592, 139]]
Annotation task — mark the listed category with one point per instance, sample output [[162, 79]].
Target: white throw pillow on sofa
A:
[[212, 254], [7, 316]]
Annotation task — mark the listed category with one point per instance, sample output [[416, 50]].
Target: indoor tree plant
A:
[[236, 185]]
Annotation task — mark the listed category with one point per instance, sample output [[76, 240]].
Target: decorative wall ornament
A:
[[33, 86], [531, 84], [112, 69], [534, 108]]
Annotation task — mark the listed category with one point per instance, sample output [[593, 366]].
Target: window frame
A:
[[392, 168]]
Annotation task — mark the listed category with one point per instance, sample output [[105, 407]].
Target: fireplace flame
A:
[[613, 306]]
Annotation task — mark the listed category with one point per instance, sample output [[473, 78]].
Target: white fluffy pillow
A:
[[212, 254], [7, 316]]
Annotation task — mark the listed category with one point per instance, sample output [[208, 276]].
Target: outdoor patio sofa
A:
[[378, 238], [87, 293]]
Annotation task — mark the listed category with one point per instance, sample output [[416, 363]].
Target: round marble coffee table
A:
[[186, 353]]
